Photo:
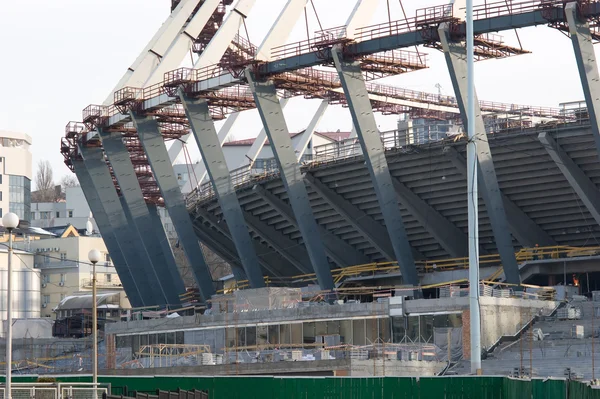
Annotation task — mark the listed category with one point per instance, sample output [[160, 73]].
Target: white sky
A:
[[58, 56]]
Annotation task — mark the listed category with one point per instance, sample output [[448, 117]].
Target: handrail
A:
[[523, 255]]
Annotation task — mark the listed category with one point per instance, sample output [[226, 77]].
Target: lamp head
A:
[[94, 256], [10, 221]]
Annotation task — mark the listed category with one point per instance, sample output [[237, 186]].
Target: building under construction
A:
[[352, 261]]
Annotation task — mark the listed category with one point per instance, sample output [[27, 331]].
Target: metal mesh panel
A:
[[32, 392], [80, 392]]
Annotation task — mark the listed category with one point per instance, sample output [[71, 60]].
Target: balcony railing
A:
[[101, 283], [56, 265]]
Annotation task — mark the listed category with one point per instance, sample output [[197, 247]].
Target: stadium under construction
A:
[[351, 262]]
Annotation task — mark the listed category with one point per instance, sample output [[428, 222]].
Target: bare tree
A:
[[44, 183], [218, 267], [68, 181]]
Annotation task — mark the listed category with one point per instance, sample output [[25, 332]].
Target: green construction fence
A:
[[344, 387]]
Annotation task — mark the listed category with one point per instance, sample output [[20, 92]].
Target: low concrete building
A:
[[283, 330]]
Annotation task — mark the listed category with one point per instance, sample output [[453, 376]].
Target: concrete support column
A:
[[363, 118], [587, 65], [276, 129], [457, 66], [203, 127], [108, 235], [160, 262], [158, 158]]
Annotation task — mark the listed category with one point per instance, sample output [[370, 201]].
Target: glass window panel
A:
[[358, 332], [143, 340], [427, 328], [309, 333], [398, 330], [230, 337], [179, 338], [273, 334], [412, 328], [251, 338], [333, 327], [261, 335], [320, 328], [372, 330], [162, 338], [384, 329], [346, 331], [285, 334], [297, 334]]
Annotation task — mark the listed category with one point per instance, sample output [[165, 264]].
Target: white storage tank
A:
[[26, 287]]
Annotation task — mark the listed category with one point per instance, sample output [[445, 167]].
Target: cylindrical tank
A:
[[26, 287]]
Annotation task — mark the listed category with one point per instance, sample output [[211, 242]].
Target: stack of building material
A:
[[547, 294], [577, 331], [359, 354]]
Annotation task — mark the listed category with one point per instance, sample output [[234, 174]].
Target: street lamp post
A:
[[10, 221], [94, 257]]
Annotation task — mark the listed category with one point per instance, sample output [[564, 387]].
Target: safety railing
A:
[[434, 15], [54, 391], [430, 266], [385, 29]]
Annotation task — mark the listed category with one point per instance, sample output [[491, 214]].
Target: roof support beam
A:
[[108, 235], [221, 246], [271, 113], [203, 127], [259, 142], [163, 264], [455, 55], [219, 43], [368, 134], [126, 234], [450, 237], [361, 16], [583, 186], [271, 260], [523, 228], [342, 253], [199, 168], [152, 55], [158, 158], [281, 29], [371, 230], [308, 133], [587, 65], [289, 249], [182, 44]]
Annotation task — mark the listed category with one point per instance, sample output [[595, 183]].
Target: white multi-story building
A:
[[64, 269], [15, 174], [73, 210]]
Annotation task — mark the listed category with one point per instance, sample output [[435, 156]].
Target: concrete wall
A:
[[505, 316], [394, 368]]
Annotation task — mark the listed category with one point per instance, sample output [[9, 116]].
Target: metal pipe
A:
[[94, 333], [9, 321], [473, 204]]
